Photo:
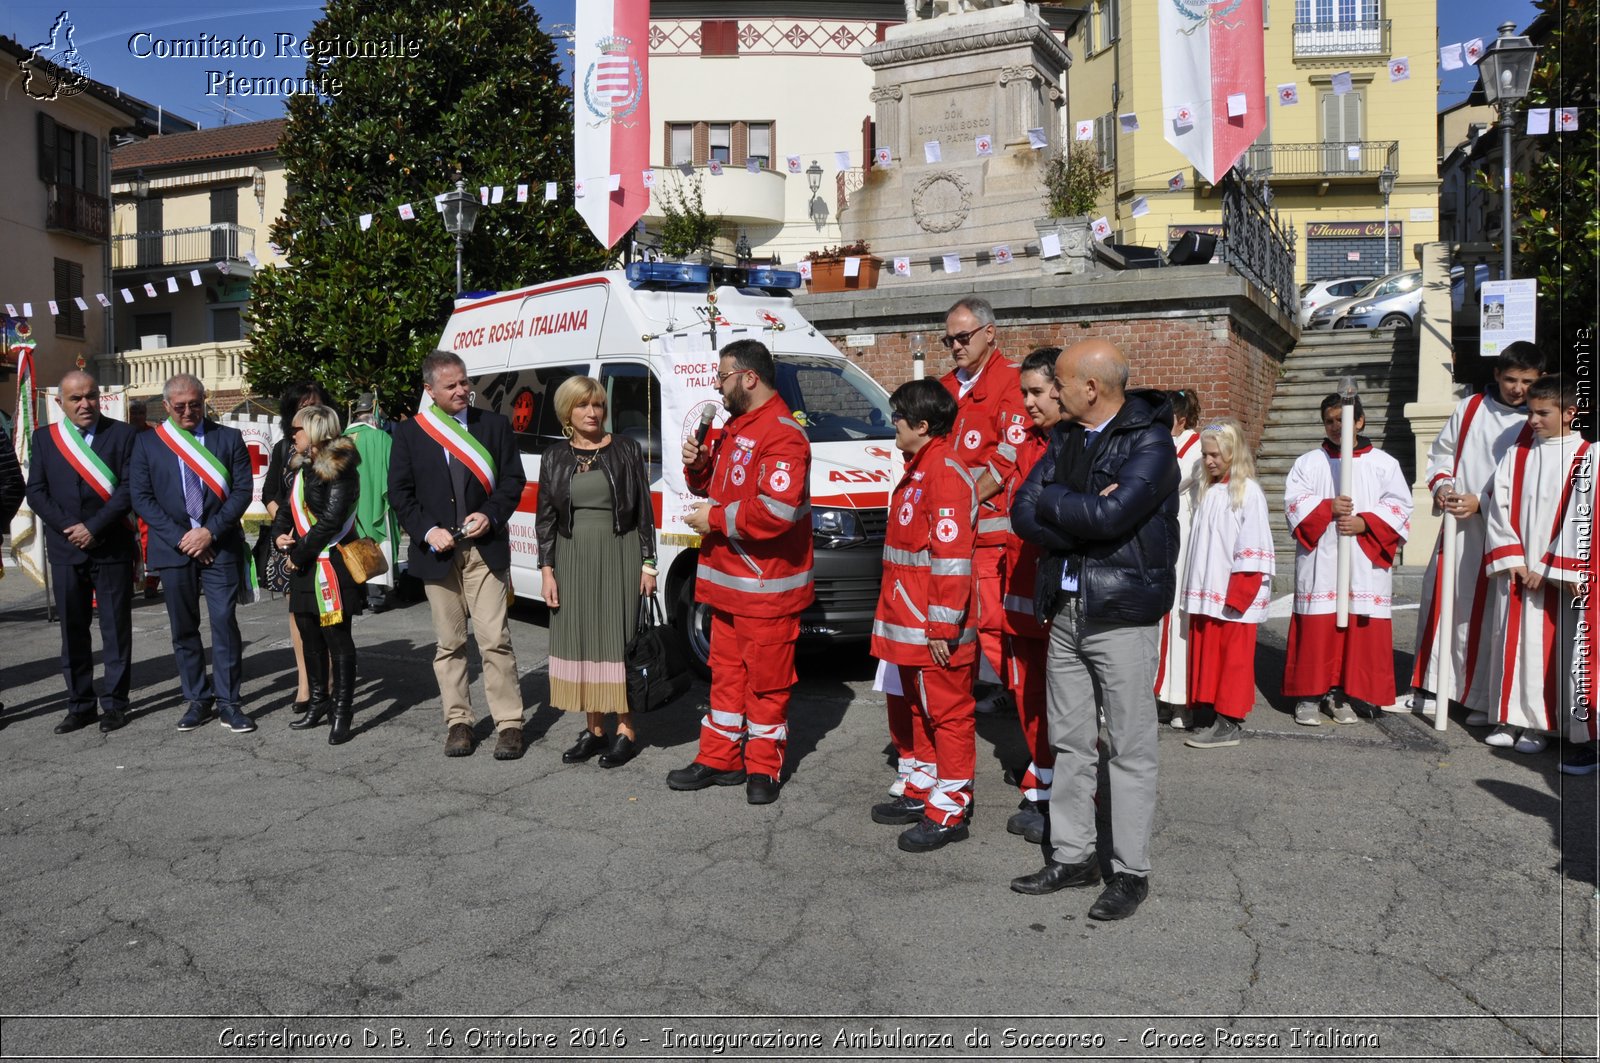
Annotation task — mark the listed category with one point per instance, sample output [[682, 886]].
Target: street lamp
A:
[[1505, 72], [1386, 186], [460, 212]]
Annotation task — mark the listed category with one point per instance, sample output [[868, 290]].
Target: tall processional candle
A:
[[1347, 479]]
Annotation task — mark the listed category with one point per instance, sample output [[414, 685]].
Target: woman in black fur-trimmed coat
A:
[[318, 515]]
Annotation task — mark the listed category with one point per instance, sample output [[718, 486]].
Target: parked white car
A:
[[1320, 293]]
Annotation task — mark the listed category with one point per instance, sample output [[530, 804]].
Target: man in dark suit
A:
[[190, 480], [455, 478], [78, 485]]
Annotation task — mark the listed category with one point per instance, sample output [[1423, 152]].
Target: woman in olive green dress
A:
[[595, 530]]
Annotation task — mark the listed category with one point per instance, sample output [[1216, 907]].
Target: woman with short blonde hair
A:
[[573, 392]]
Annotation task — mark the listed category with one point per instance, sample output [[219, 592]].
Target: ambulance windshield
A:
[[835, 401]]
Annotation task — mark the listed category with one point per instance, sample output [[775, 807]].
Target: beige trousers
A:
[[472, 591]]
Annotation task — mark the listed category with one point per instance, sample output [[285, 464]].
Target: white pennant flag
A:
[[406, 213], [27, 309], [614, 182], [1538, 121], [1050, 245], [522, 193], [549, 191], [194, 277], [483, 194], [805, 269], [172, 286], [366, 222], [1037, 138], [1352, 152], [1184, 119], [715, 167], [149, 290], [1001, 255], [883, 157], [952, 263], [792, 162], [841, 159], [127, 295], [1101, 228], [1342, 83], [1400, 69], [580, 187], [54, 309], [1567, 119], [497, 194], [1084, 130], [1140, 206], [11, 310], [931, 152], [1450, 57], [852, 266], [77, 300], [1473, 50], [983, 146], [103, 300], [753, 165], [1288, 94], [251, 259], [1129, 123], [438, 202], [649, 178], [902, 266], [1237, 105]]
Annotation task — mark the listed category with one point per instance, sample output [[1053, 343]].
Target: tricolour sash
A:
[[330, 602], [200, 461], [459, 444], [96, 473]]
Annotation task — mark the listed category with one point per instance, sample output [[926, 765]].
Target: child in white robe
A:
[[1172, 664]]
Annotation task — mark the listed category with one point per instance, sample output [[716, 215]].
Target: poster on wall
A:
[[1506, 314]]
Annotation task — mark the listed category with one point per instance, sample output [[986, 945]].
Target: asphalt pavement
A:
[[1375, 891]]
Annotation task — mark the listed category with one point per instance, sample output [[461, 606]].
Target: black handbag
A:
[[272, 573], [657, 660]]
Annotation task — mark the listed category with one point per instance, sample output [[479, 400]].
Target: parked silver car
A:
[[1319, 293], [1394, 304], [1331, 315]]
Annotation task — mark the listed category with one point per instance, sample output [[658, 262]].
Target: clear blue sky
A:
[[104, 29]]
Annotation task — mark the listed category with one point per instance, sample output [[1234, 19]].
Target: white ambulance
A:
[[650, 335]]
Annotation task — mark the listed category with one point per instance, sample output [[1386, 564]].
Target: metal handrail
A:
[[185, 246], [1324, 159], [1341, 37]]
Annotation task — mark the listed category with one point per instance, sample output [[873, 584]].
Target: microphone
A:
[[708, 415]]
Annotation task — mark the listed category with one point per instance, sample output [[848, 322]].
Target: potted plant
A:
[[1073, 183], [827, 268], [686, 229]]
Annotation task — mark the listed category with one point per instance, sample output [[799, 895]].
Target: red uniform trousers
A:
[[1025, 675], [1222, 665], [752, 673], [902, 732], [988, 575], [938, 704], [1358, 660]]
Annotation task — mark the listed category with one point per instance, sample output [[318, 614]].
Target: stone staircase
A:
[[1384, 365]]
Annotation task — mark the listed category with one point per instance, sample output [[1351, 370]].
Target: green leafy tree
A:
[[1557, 203], [357, 310]]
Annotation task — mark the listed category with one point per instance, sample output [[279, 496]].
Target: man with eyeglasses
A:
[[754, 573], [990, 424], [190, 481]]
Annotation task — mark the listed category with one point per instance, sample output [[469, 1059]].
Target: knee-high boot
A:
[[344, 693], [317, 680]]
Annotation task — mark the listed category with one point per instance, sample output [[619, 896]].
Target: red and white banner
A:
[[1211, 50], [611, 112]]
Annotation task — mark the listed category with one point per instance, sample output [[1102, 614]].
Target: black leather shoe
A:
[[74, 721], [927, 835], [1121, 897], [900, 810], [761, 789], [698, 776], [587, 745], [622, 750], [111, 719], [1028, 821], [1055, 876]]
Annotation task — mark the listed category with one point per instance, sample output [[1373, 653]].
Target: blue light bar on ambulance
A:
[[669, 273], [768, 277]]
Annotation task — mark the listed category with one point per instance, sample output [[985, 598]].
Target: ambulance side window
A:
[[528, 398], [633, 400]]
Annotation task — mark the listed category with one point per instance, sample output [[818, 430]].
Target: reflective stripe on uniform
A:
[[791, 423], [784, 511], [1006, 451], [969, 476], [1016, 603], [893, 555], [913, 636], [772, 732], [944, 614], [952, 566], [729, 512], [728, 719], [752, 584], [994, 524]]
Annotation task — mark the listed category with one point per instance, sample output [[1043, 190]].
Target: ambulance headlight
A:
[[835, 528]]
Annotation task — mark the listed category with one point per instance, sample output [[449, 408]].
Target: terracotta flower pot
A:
[[827, 275]]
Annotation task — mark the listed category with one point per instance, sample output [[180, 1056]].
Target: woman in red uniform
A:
[[925, 623]]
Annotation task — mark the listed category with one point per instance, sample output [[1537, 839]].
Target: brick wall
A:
[[1209, 352]]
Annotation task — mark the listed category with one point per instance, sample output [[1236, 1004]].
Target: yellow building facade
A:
[[1324, 157]]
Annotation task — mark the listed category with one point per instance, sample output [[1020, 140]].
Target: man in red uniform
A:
[[1028, 639], [990, 424], [754, 573], [923, 624]]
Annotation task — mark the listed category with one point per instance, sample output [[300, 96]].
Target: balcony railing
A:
[[1320, 162], [1314, 40], [220, 365], [179, 247], [78, 212]]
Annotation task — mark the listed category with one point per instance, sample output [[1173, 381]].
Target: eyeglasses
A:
[[180, 407], [732, 372], [961, 337], [896, 417]]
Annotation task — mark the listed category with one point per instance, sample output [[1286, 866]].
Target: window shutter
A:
[[719, 37], [91, 165], [47, 148]]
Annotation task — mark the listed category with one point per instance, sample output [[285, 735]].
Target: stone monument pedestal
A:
[[994, 73]]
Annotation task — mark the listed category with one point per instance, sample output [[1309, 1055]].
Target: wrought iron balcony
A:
[[179, 247], [1315, 40], [1323, 161], [72, 210]]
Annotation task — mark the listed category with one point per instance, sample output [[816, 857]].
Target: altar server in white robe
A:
[[1327, 665], [1460, 462], [1172, 666], [1575, 564], [1530, 653]]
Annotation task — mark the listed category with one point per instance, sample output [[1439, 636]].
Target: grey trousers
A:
[[1115, 664]]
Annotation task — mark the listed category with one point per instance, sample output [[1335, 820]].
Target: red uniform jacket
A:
[[756, 560], [990, 425], [1022, 558], [927, 561]]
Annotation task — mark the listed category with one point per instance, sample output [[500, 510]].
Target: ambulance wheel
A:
[[694, 624]]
